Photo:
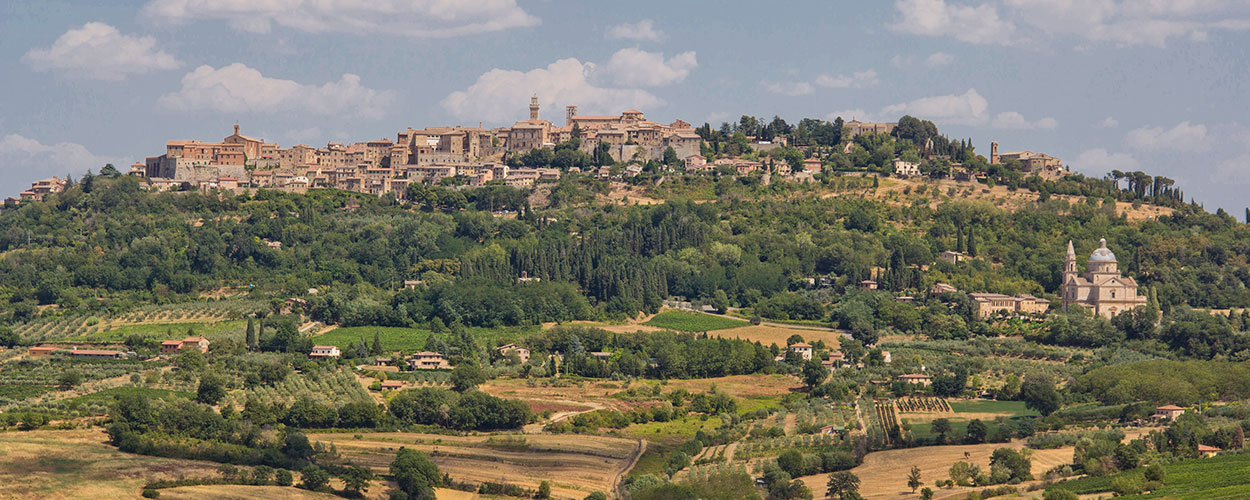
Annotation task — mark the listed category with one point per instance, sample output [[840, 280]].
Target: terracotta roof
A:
[[1203, 447], [172, 342], [914, 375], [800, 344], [1169, 407], [44, 348], [95, 352]]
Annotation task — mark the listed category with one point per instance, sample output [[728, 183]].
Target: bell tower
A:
[[534, 108], [1069, 261]]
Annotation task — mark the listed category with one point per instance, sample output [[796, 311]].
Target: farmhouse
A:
[[941, 288], [803, 349], [392, 385], [96, 354], [836, 360], [1168, 412], [952, 256], [916, 378], [521, 352], [197, 342], [324, 351], [868, 285], [426, 360], [1208, 451], [42, 350]]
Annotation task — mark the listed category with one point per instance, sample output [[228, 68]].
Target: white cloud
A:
[[717, 118], [1012, 120], [24, 160], [851, 114], [938, 59], [98, 51], [1029, 22], [980, 24], [416, 18], [634, 67], [1233, 170], [305, 135], [641, 30], [239, 89], [968, 108], [858, 79], [1109, 122], [1183, 137], [1100, 161], [501, 95], [792, 89]]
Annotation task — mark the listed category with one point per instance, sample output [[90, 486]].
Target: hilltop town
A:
[[536, 150]]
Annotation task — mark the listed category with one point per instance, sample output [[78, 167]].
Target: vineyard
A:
[[151, 318], [335, 388], [887, 421], [923, 404]]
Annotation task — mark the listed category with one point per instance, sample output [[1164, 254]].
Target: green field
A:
[[409, 339], [109, 395], [1014, 408], [684, 321], [1222, 477], [219, 329]]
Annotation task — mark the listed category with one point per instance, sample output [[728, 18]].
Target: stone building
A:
[[1102, 289]]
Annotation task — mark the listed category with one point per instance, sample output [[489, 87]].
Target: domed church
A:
[[1102, 288]]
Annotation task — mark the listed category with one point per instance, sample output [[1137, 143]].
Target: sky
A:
[[1150, 85]]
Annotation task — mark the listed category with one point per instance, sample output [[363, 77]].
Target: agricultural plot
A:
[[97, 403], [771, 334], [1226, 476], [80, 464], [335, 388], [410, 339], [923, 404], [82, 326], [685, 321], [213, 330], [575, 465]]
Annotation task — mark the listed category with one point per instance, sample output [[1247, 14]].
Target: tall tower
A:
[[994, 161], [1069, 262], [569, 112], [534, 108]]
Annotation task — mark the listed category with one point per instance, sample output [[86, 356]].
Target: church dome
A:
[[1102, 254]]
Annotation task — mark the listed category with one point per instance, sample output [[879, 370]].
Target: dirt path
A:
[[620, 476], [536, 428], [790, 422], [729, 452]]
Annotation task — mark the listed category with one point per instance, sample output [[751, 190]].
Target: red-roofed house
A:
[[1168, 412], [392, 385], [1208, 451], [197, 342], [42, 350]]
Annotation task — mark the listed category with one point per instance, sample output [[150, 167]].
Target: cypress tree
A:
[[251, 334]]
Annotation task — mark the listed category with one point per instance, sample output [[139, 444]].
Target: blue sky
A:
[[1152, 85]]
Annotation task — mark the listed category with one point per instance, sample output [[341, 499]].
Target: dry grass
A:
[[777, 334], [575, 465], [79, 464], [241, 492], [884, 473]]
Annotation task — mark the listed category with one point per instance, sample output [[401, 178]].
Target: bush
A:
[[150, 493], [1155, 473], [283, 477], [1127, 485]]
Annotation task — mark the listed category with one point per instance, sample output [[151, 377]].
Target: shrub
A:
[[150, 493]]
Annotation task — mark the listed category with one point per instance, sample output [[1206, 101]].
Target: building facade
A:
[[1102, 288]]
